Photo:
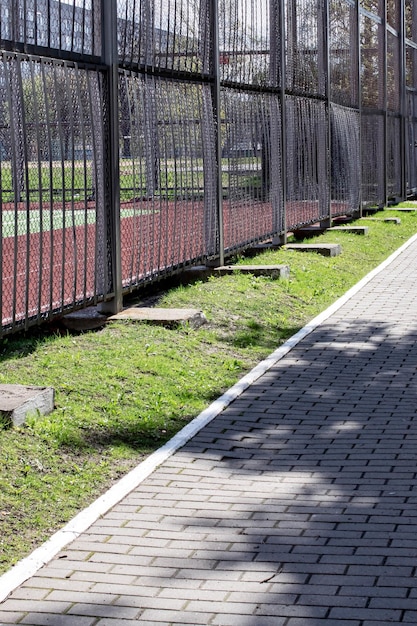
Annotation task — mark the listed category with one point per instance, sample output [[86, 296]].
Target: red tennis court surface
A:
[[55, 269]]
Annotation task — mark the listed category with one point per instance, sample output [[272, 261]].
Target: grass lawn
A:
[[124, 390]]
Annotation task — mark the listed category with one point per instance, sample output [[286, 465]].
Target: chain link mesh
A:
[[73, 25], [47, 186]]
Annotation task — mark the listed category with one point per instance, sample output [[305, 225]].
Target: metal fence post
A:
[[403, 100], [327, 69], [359, 99], [324, 88], [283, 83], [110, 59], [217, 121], [385, 97]]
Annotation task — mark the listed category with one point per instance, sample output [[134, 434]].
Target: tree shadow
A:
[[316, 462], [295, 506]]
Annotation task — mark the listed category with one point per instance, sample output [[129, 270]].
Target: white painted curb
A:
[[30, 565]]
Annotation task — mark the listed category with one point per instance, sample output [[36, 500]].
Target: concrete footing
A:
[[84, 319], [272, 271], [309, 231], [388, 220], [325, 249], [404, 209], [169, 318], [258, 248], [352, 230], [18, 401]]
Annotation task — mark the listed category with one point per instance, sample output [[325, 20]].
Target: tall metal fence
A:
[[141, 136]]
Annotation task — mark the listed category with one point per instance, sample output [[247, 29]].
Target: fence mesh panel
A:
[[251, 166], [72, 26], [373, 104], [411, 94], [305, 49], [171, 35], [249, 42], [307, 176], [50, 139], [345, 160], [344, 52], [411, 153], [167, 183]]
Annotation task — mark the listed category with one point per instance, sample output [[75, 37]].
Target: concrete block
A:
[[84, 319], [272, 271], [371, 210], [309, 231], [388, 220], [325, 249], [258, 248], [352, 230], [17, 401], [196, 272], [410, 209], [163, 317]]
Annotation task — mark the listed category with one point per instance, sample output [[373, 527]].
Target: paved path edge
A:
[[28, 566]]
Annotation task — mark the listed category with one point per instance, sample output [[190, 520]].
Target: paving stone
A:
[[101, 610], [10, 617], [46, 619]]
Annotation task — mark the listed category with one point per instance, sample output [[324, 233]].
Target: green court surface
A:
[[15, 223]]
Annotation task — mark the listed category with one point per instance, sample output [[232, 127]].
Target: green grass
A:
[[124, 390]]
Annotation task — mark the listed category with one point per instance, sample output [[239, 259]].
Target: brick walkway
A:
[[295, 507]]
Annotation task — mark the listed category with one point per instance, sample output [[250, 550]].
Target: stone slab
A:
[[272, 271], [309, 231], [404, 209], [325, 249], [388, 220], [197, 271], [352, 230], [163, 317], [17, 401], [258, 248]]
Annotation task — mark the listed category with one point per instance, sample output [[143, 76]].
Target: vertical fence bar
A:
[[403, 100], [327, 92], [385, 96], [110, 59], [214, 15], [46, 97], [283, 82], [2, 63], [323, 59], [359, 98], [36, 101], [11, 88]]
